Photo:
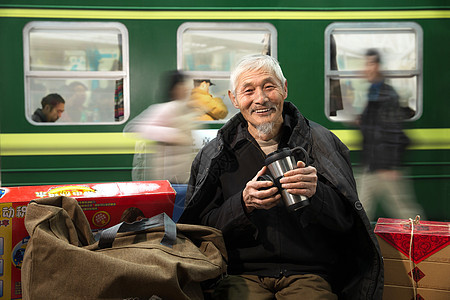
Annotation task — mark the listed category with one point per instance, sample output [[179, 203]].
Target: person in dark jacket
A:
[[325, 250], [384, 143], [52, 109]]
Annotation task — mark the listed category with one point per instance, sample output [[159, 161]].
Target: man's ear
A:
[[47, 108], [285, 90], [233, 99]]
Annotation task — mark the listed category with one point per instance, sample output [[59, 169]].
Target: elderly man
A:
[[52, 109], [325, 250]]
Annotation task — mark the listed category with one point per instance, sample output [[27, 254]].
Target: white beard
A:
[[265, 129]]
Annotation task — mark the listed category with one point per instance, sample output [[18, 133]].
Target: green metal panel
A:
[[152, 44], [61, 169]]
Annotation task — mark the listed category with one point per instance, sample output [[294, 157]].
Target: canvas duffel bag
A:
[[149, 258]]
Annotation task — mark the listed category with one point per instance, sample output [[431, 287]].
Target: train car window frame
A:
[[411, 74], [220, 78], [110, 81]]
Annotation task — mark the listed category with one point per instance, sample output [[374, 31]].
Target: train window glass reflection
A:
[[210, 50], [400, 46], [86, 63], [86, 100], [217, 46]]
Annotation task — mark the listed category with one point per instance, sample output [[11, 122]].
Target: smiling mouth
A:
[[263, 110]]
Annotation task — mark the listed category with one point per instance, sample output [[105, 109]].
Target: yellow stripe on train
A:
[[223, 14], [118, 143]]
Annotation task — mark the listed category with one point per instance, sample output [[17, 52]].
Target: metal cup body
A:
[[277, 169], [281, 166]]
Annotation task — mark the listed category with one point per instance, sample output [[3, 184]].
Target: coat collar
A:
[[295, 128]]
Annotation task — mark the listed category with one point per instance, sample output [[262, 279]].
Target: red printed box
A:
[[421, 267], [103, 204]]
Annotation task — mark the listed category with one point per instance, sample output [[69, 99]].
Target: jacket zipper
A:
[[263, 155], [280, 268]]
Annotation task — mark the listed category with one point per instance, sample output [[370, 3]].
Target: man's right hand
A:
[[260, 194]]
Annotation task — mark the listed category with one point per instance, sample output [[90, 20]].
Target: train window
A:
[[217, 46], [346, 87], [209, 51], [85, 63]]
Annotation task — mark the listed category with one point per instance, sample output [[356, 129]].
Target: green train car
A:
[[106, 61]]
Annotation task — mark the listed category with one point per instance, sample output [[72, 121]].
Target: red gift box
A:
[[416, 258], [102, 203]]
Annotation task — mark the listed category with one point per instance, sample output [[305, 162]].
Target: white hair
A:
[[256, 62]]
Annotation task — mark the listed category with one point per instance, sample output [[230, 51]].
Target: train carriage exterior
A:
[[151, 37]]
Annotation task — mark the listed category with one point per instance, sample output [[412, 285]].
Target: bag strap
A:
[[108, 235]]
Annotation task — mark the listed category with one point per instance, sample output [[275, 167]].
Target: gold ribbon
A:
[[416, 221]]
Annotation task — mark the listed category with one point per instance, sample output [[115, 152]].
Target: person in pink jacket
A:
[[164, 150]]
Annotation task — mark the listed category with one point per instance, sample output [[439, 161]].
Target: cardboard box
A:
[[102, 203], [424, 265], [430, 275], [392, 292]]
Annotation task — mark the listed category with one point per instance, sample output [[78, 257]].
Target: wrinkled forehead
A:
[[257, 76]]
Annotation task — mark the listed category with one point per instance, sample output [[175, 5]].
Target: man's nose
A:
[[260, 96]]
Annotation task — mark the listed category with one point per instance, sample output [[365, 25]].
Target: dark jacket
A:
[[332, 237], [39, 116], [384, 141]]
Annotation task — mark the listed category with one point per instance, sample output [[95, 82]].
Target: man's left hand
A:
[[300, 181]]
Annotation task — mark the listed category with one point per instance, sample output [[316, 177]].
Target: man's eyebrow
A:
[[245, 85], [268, 79]]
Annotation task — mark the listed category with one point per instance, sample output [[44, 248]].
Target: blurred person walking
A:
[[384, 144], [170, 126]]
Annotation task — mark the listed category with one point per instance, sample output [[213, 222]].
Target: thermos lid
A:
[[277, 155]]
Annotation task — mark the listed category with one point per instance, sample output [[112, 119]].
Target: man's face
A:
[[260, 97], [55, 113], [372, 69]]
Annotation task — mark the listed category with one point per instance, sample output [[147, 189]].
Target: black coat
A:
[[384, 141], [357, 258], [39, 116]]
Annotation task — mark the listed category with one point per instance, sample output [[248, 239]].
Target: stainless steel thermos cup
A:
[[278, 163]]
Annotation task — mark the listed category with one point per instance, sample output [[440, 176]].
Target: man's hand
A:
[[260, 194], [300, 181]]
